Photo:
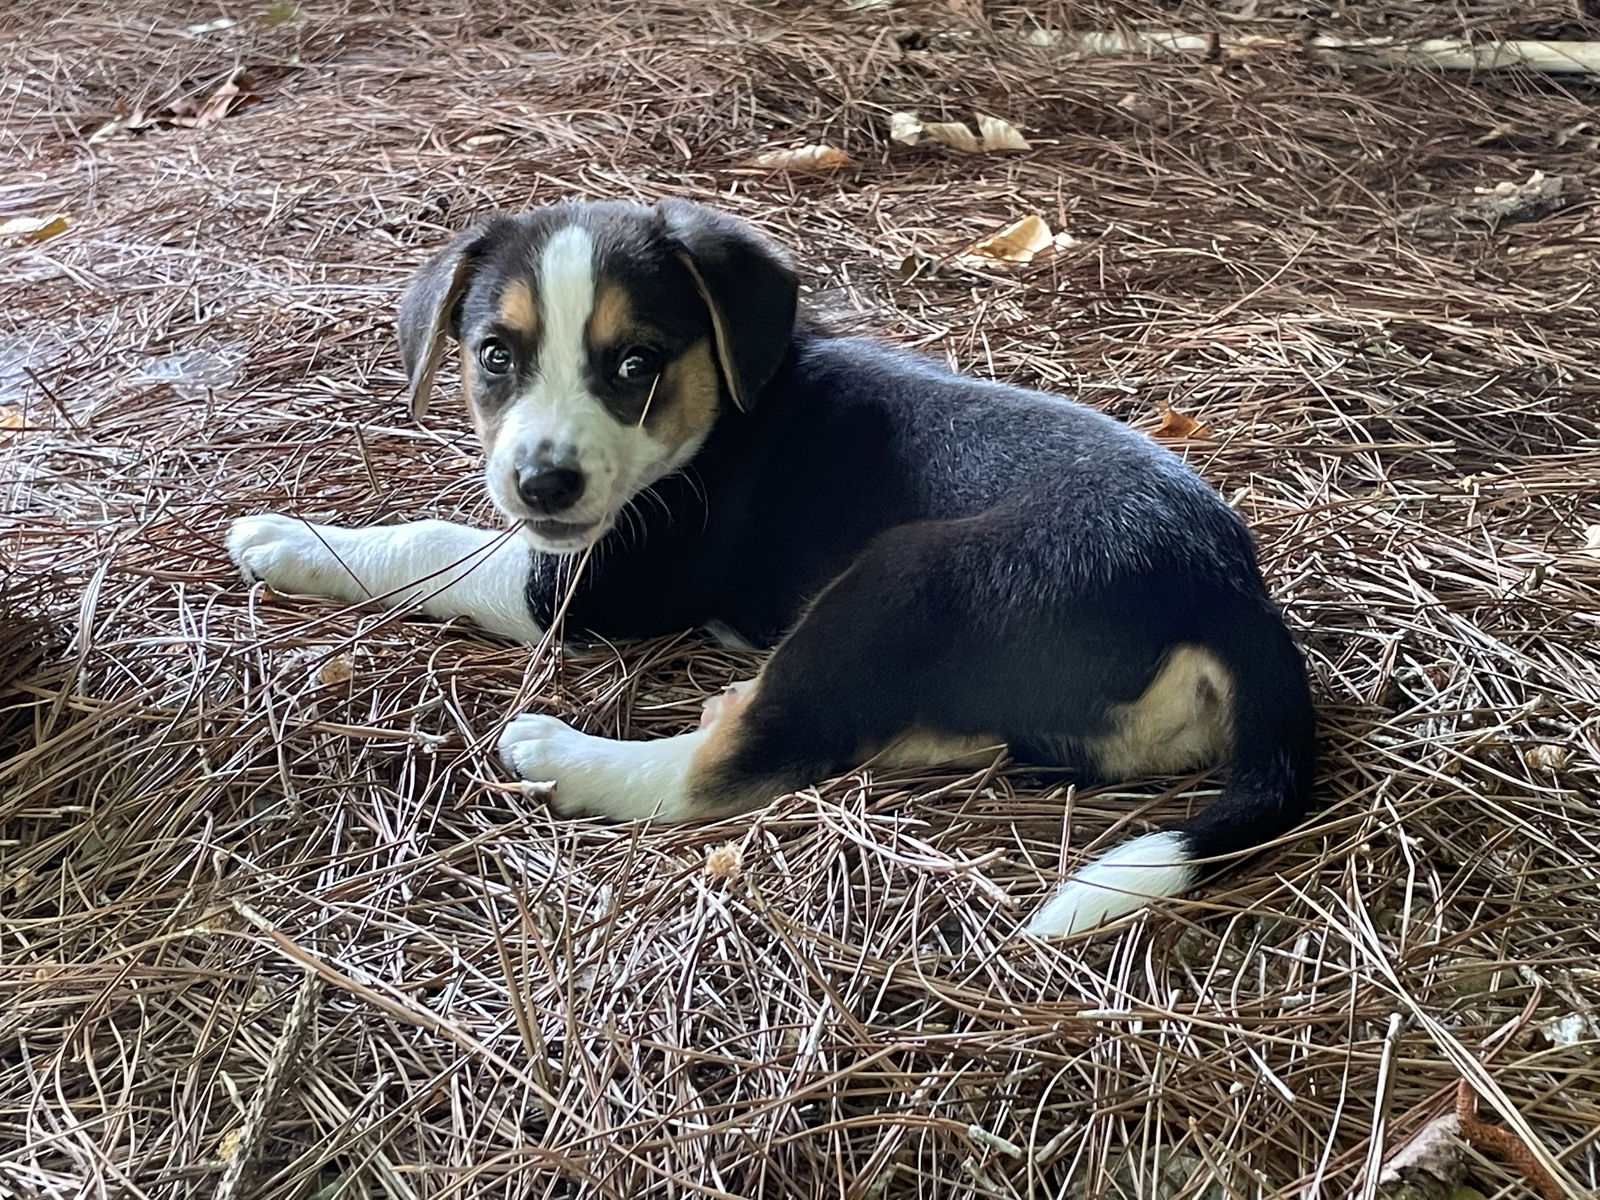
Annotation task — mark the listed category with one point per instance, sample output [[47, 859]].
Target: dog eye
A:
[[494, 357], [639, 362]]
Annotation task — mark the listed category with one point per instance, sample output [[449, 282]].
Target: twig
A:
[[1444, 54]]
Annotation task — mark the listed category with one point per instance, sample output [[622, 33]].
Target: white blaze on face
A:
[[566, 287], [558, 416]]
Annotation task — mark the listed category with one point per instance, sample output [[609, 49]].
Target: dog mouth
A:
[[560, 536]]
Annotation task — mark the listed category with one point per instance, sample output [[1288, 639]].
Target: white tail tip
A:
[[1122, 881]]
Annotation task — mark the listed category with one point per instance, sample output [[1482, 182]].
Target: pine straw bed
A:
[[272, 922]]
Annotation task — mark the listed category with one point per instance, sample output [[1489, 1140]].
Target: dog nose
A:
[[548, 489]]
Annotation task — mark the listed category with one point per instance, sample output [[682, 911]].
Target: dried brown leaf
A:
[[817, 157], [994, 133], [1547, 756], [953, 134], [18, 230], [337, 669], [1019, 242], [725, 861], [1436, 1153], [905, 128], [1000, 135], [228, 98], [228, 1148], [1176, 426]]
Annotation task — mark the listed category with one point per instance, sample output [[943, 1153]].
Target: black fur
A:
[[982, 559]]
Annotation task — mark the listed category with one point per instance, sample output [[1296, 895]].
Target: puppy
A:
[[942, 566]]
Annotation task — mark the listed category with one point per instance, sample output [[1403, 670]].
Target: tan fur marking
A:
[[921, 747], [719, 329], [612, 317], [708, 791], [685, 402], [486, 425], [1184, 720], [711, 792], [518, 311]]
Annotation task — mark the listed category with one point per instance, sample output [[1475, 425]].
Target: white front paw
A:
[[288, 555], [531, 745], [543, 749], [626, 781]]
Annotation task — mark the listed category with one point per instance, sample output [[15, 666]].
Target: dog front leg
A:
[[440, 568], [662, 779]]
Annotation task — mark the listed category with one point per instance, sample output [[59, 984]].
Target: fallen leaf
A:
[[228, 98], [818, 157], [1545, 757], [1591, 539], [953, 134], [32, 229], [905, 128], [994, 134], [12, 418], [1019, 242], [1571, 1030], [280, 13], [1436, 1153], [218, 104], [1140, 108], [1491, 207], [1176, 426], [1000, 135]]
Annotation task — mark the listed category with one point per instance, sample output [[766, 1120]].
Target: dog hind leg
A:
[[845, 685]]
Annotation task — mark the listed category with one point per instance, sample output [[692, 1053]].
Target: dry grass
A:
[[215, 803]]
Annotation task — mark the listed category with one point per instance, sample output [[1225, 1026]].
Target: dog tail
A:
[[1267, 793]]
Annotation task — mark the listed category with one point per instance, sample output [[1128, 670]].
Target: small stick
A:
[[1444, 54], [1380, 1120], [50, 395]]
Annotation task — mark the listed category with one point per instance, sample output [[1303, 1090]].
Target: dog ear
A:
[[748, 285], [427, 314]]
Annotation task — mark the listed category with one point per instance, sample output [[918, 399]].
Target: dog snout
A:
[[550, 487]]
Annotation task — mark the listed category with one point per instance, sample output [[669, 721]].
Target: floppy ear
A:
[[747, 284], [426, 317]]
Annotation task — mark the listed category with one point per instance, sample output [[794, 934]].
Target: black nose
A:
[[549, 489]]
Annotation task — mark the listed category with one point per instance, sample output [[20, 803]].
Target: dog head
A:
[[599, 343]]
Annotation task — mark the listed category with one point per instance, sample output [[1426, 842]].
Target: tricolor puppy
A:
[[941, 565]]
